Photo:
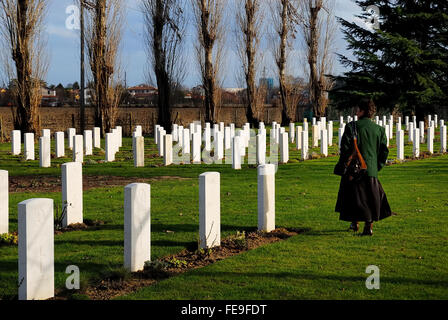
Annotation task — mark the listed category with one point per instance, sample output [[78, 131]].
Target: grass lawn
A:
[[326, 262]]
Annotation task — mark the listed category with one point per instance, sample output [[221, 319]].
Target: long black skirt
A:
[[363, 200]]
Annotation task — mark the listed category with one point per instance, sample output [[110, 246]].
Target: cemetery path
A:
[[54, 184]]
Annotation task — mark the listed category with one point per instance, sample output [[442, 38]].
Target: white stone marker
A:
[[227, 138], [110, 153], [406, 122], [299, 131], [236, 153], [78, 148], [138, 131], [422, 131], [60, 144], [180, 138], [88, 142], [97, 137], [137, 226], [219, 146], [156, 134], [46, 133], [430, 138], [209, 210], [416, 148], [387, 134], [266, 197], [44, 152], [138, 148], [284, 148], [29, 146], [207, 137], [16, 142], [400, 145], [411, 132], [71, 132], [4, 202], [330, 133], [291, 132], [72, 196], [36, 249], [261, 149], [196, 152], [442, 139], [168, 150], [324, 143], [315, 136], [340, 135], [305, 138], [435, 120], [175, 132], [160, 144], [186, 142]]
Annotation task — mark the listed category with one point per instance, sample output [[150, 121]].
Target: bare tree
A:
[[249, 21], [165, 26], [104, 31], [209, 24], [21, 23], [318, 28], [285, 18]]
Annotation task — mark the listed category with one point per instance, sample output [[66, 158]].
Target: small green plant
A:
[[116, 274], [240, 240], [60, 217], [156, 269], [8, 239], [176, 263]]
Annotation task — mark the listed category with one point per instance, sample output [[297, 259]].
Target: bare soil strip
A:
[[119, 284], [37, 183]]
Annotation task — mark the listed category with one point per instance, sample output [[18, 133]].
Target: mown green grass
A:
[[326, 262]]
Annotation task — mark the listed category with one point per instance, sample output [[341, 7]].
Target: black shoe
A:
[[367, 229], [354, 226]]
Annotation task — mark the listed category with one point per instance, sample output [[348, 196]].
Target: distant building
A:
[[267, 82], [49, 97], [143, 91]]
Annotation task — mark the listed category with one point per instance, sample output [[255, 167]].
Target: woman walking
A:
[[363, 199]]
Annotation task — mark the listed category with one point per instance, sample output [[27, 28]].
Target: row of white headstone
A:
[[231, 144], [36, 223], [80, 144]]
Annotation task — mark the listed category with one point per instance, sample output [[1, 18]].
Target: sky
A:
[[63, 46]]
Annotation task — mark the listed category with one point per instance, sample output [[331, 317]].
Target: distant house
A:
[[49, 97], [143, 91]]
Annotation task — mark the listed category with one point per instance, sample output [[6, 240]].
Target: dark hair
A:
[[368, 106]]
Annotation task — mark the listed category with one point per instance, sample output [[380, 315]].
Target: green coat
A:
[[372, 143]]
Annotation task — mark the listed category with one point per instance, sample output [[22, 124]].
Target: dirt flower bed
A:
[[119, 282], [54, 184]]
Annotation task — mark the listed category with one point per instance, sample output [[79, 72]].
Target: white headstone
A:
[[168, 150], [261, 149], [299, 131], [266, 197], [72, 196], [430, 138], [156, 134], [60, 144], [138, 148], [110, 153], [219, 146], [46, 133], [162, 133], [175, 132], [196, 152], [324, 143], [4, 202], [78, 148], [16, 142], [44, 152], [443, 139], [227, 138], [207, 137], [411, 132], [71, 132], [315, 136], [209, 210], [236, 155], [291, 132], [387, 134], [88, 142], [29, 146], [97, 138], [137, 226], [36, 249], [284, 148], [186, 142], [305, 138], [416, 148], [400, 145], [435, 120], [330, 133]]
